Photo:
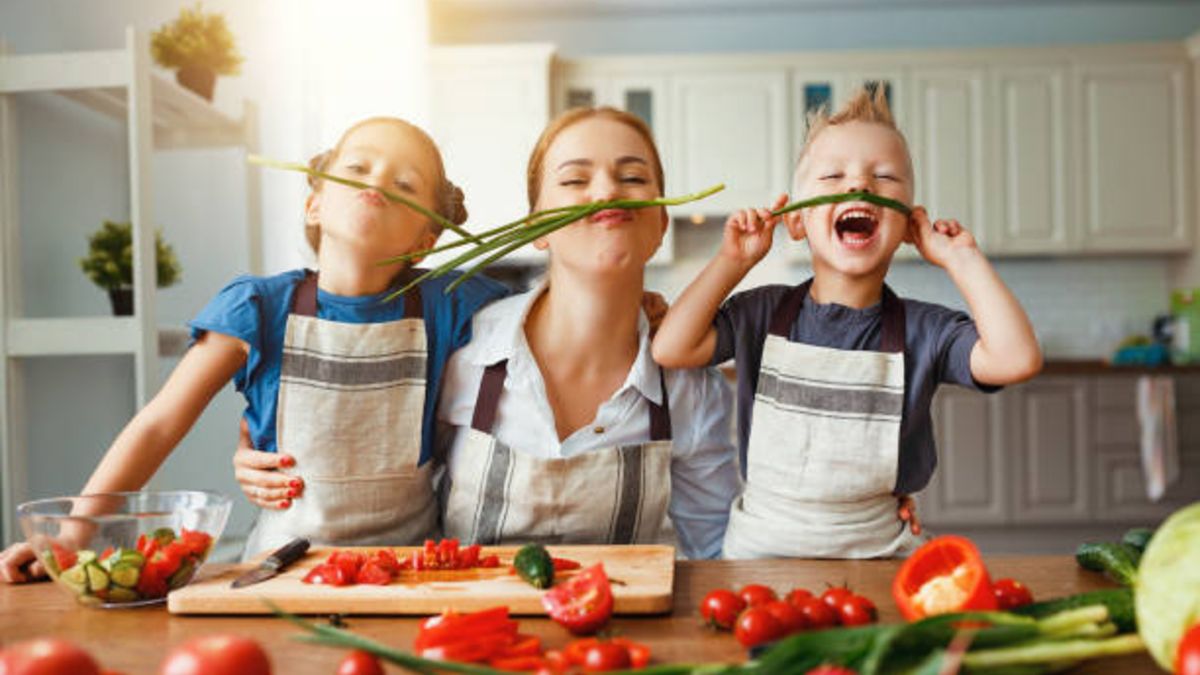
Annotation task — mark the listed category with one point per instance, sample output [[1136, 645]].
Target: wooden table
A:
[[135, 640]]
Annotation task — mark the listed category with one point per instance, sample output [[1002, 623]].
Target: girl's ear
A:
[[312, 208], [794, 220]]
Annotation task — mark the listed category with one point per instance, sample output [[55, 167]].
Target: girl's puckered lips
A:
[[372, 197], [610, 217]]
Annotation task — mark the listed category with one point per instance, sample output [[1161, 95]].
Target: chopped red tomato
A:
[[564, 564], [330, 575], [64, 558], [947, 574], [582, 604], [197, 542], [490, 561]]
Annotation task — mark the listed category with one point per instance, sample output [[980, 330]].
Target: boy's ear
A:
[[794, 220], [312, 207]]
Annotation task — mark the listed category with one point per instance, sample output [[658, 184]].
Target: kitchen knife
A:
[[274, 564]]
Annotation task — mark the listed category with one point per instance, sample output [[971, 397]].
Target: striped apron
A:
[[351, 398], [497, 495], [824, 447]]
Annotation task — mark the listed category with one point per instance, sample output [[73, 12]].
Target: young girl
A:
[[329, 371]]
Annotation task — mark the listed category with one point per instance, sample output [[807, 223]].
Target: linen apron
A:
[[351, 398], [499, 495], [824, 447]]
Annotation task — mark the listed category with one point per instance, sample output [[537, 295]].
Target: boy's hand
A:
[[655, 306], [19, 564], [749, 232], [940, 241]]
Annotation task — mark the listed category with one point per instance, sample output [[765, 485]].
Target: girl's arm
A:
[[145, 442], [1007, 351], [686, 338]]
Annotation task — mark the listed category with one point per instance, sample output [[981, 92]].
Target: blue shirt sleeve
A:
[[236, 311]]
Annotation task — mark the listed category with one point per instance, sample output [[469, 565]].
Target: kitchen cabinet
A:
[[1048, 421], [1030, 206], [970, 485], [1134, 156], [489, 104]]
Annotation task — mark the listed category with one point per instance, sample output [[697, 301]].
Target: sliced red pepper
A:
[[468, 649], [523, 645], [564, 564], [518, 664], [452, 626], [582, 604], [947, 574]]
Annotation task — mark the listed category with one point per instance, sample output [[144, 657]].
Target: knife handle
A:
[[287, 554]]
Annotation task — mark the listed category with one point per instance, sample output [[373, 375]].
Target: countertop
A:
[[135, 641]]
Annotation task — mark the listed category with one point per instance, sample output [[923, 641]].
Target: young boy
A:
[[836, 375]]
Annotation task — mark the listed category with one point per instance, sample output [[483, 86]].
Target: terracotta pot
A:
[[198, 79], [122, 301]]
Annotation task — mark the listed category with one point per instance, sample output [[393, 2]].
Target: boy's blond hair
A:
[[866, 104]]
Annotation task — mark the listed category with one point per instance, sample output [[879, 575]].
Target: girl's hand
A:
[[941, 241], [908, 513], [258, 474], [749, 232], [19, 564]]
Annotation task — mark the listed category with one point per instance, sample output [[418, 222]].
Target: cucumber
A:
[[51, 563], [1119, 561], [163, 535], [130, 557], [534, 564], [97, 578], [1119, 602], [1138, 537], [182, 575], [126, 574], [119, 594], [85, 556], [76, 579]]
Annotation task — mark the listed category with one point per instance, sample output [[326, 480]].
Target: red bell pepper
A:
[[947, 574]]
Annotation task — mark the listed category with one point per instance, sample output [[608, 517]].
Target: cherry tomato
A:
[[583, 603], [757, 594], [817, 614], [857, 611], [1187, 659], [789, 618], [226, 654], [605, 656], [576, 650], [720, 608], [47, 656], [639, 654], [830, 670], [359, 662], [755, 626], [797, 595], [1011, 594], [834, 596]]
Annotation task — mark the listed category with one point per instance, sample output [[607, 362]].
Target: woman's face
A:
[[601, 159]]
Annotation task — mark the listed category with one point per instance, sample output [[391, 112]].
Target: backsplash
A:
[[1080, 307]]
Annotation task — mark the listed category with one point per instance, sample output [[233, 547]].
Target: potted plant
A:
[[109, 263], [199, 46]]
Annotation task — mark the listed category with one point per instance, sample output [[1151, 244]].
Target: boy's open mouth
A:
[[856, 226]]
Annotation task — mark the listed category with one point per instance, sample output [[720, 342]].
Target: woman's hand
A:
[[19, 564], [258, 474], [749, 233]]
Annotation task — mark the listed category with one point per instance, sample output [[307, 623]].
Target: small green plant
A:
[[196, 39], [109, 262]]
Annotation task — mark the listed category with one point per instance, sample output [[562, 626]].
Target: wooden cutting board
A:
[[642, 581]]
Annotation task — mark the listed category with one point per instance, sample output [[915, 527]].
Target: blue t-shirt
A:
[[255, 310]]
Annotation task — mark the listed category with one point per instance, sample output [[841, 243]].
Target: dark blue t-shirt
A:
[[255, 310], [937, 348]]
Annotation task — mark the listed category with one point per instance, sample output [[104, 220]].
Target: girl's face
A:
[[854, 237], [601, 159], [385, 156]]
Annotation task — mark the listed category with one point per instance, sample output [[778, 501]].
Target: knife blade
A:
[[274, 564]]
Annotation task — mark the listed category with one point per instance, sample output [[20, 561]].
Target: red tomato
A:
[[582, 604], [797, 596], [47, 656], [720, 608], [757, 594], [374, 573], [817, 614], [196, 542], [576, 651], [1187, 658], [830, 670], [789, 618], [605, 656], [326, 574], [1011, 594], [857, 611], [755, 626], [834, 596], [639, 654], [225, 654], [64, 558], [359, 662], [564, 564]]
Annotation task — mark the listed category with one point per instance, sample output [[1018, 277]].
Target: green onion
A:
[[845, 197], [292, 166]]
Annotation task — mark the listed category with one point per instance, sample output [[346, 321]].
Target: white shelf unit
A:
[[159, 114]]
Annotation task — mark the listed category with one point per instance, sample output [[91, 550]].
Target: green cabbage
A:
[[1167, 595]]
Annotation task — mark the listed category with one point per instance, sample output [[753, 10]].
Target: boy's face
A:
[[854, 238], [388, 157]]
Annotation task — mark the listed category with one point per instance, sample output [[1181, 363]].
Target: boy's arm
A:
[[686, 338], [145, 442], [1007, 351]]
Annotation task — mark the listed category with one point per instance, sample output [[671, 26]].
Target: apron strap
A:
[[492, 384], [304, 302], [891, 337]]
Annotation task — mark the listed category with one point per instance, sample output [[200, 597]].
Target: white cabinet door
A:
[[946, 141], [489, 104], [1049, 423], [729, 127], [970, 484], [1134, 150], [1031, 188]]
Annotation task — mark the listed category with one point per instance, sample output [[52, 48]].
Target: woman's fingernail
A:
[[291, 492], [295, 483], [286, 503], [286, 460]]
